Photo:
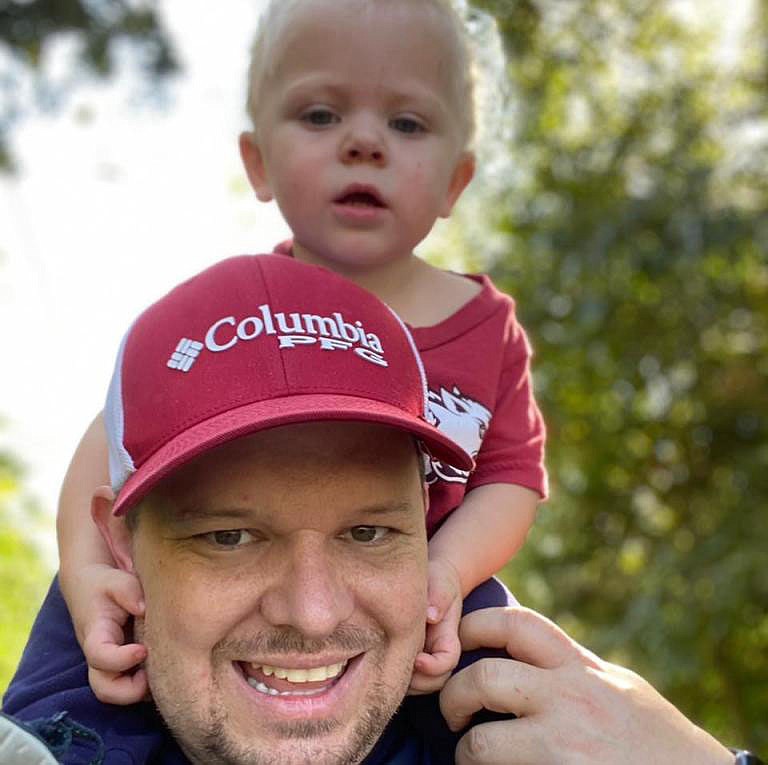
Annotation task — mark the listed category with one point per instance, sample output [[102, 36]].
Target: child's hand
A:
[[442, 648], [102, 606]]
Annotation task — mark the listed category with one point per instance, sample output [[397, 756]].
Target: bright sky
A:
[[105, 217]]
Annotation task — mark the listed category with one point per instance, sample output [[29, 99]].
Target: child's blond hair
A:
[[278, 14]]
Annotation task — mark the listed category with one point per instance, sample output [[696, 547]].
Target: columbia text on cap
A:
[[255, 342]]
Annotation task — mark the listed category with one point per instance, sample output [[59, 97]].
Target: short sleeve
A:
[[513, 448]]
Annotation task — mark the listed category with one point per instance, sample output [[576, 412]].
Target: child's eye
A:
[[368, 534], [406, 125], [228, 538], [319, 117]]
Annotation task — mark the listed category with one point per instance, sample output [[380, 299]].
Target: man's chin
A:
[[311, 742], [256, 729]]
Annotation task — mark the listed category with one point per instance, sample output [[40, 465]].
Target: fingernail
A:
[[432, 614]]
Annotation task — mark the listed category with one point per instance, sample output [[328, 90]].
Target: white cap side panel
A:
[[120, 462], [419, 363]]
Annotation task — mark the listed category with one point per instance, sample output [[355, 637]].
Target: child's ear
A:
[[254, 166], [115, 531], [462, 175]]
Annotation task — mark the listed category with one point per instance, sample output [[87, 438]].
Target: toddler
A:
[[362, 121]]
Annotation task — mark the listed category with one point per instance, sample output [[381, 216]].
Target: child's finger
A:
[[108, 656], [422, 684], [440, 597], [435, 664], [445, 644], [104, 631], [121, 689], [427, 677], [125, 589], [105, 628], [443, 638]]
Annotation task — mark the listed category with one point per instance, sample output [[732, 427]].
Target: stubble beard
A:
[[210, 741], [217, 748]]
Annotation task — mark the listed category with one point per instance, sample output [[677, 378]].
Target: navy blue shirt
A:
[[50, 692]]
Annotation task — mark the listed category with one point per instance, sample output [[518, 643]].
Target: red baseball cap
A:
[[255, 342]]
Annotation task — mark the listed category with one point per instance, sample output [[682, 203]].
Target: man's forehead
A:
[[377, 467], [303, 443], [343, 511]]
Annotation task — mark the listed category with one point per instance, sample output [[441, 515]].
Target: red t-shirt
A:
[[477, 363]]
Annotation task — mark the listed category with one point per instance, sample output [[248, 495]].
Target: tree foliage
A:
[[23, 572], [630, 226], [29, 29]]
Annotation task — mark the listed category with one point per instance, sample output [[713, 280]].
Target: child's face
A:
[[359, 135]]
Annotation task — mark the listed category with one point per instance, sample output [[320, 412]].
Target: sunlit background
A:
[[622, 201], [118, 196]]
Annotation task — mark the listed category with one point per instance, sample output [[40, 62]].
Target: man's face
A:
[[284, 577], [360, 134]]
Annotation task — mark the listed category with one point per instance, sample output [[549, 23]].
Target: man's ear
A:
[[115, 530], [462, 175], [253, 162]]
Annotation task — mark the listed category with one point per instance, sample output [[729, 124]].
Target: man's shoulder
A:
[[50, 700], [417, 735]]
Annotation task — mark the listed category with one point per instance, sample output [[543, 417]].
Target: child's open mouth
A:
[[359, 195], [361, 199]]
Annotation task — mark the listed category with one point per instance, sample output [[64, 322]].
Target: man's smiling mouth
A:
[[284, 681]]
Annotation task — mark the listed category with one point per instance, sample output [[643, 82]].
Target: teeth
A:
[[267, 691], [313, 675], [319, 673], [261, 687]]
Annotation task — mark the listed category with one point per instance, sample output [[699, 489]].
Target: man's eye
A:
[[229, 538], [368, 534], [319, 117], [407, 125]]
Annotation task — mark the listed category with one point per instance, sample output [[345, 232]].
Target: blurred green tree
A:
[[28, 30], [630, 224], [24, 574]]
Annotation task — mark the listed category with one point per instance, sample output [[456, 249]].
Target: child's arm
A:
[[485, 531], [476, 540], [79, 539], [100, 597]]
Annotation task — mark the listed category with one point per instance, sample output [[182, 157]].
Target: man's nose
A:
[[363, 143], [309, 591]]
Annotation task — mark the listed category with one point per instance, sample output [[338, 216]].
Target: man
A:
[[268, 492], [267, 428]]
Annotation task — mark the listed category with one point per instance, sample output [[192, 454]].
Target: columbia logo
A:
[[185, 355]]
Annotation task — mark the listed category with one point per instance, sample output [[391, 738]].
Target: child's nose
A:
[[363, 146], [364, 152]]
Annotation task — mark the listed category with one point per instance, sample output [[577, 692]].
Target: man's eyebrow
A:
[[189, 514], [192, 513], [394, 508]]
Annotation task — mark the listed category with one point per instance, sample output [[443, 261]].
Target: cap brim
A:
[[262, 415]]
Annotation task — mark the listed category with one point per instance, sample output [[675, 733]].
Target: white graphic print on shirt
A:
[[463, 420]]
